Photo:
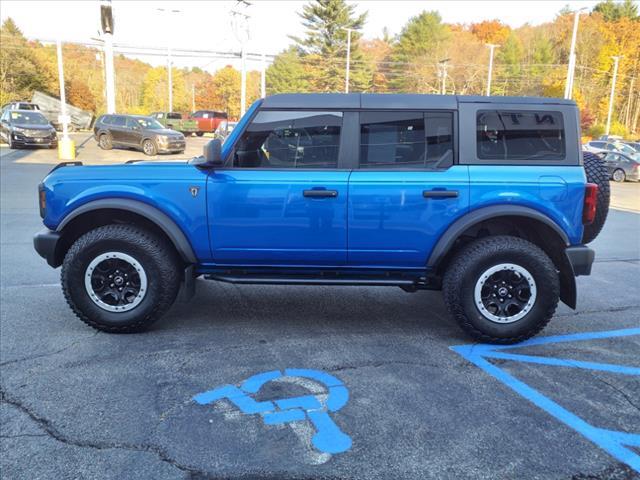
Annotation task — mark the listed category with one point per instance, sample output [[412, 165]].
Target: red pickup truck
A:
[[208, 120]]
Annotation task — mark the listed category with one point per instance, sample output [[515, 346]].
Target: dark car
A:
[[27, 128], [137, 131], [622, 167], [20, 106]]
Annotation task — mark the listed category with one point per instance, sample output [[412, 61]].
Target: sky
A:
[[207, 25]]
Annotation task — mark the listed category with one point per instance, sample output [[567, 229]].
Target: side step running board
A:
[[296, 280]]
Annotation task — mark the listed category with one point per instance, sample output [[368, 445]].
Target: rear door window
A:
[[118, 121], [520, 135], [406, 140]]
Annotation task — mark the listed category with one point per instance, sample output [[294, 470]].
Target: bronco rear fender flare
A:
[[447, 240], [163, 221]]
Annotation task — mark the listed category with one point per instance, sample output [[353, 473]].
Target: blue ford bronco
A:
[[488, 199]]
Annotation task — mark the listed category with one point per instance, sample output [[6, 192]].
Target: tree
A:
[[421, 44], [325, 44], [155, 94], [287, 73], [79, 95], [612, 11], [20, 73], [225, 88], [490, 31]]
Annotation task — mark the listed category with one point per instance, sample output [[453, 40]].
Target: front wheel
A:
[[149, 147], [619, 176], [120, 278], [501, 289], [105, 142], [199, 134]]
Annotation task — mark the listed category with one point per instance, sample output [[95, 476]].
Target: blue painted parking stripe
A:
[[563, 362], [602, 438], [253, 384], [625, 332], [307, 402]]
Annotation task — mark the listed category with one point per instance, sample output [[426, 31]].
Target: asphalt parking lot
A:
[[80, 404]]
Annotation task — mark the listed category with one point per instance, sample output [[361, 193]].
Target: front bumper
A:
[[171, 147], [581, 259], [46, 244]]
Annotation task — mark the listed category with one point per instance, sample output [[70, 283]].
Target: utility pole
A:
[[627, 117], [169, 62], [107, 24], [492, 47], [66, 146], [443, 75], [346, 77], [568, 89], [243, 38], [636, 115], [616, 60], [263, 77]]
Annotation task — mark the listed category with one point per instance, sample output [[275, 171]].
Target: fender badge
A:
[[194, 191]]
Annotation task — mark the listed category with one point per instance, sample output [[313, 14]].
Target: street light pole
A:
[[568, 89], [492, 47], [243, 38], [443, 75], [169, 62], [616, 60], [346, 77], [107, 24]]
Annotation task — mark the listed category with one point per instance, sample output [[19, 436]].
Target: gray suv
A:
[[137, 131]]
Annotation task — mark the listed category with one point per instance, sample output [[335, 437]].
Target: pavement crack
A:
[[600, 310], [51, 431], [49, 354], [340, 368], [620, 391]]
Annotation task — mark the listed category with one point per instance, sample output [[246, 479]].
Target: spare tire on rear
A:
[[596, 173]]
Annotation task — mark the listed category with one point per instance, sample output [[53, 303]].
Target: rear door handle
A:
[[320, 193], [440, 193]]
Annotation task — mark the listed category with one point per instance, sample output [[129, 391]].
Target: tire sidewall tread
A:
[[154, 254], [474, 259]]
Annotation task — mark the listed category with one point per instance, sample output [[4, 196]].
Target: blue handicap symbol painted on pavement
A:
[[618, 444], [328, 437]]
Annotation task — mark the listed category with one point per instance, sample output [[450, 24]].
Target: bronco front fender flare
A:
[[164, 222]]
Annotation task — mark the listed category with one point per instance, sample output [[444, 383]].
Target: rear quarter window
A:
[[527, 135]]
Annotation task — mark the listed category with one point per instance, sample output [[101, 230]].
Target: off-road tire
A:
[[105, 141], [475, 258], [597, 173], [155, 255]]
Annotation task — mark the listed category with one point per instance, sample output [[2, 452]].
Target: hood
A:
[[165, 131], [32, 127]]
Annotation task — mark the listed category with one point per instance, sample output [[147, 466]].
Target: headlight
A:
[[19, 129], [163, 139]]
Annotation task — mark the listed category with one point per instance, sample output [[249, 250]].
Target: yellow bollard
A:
[[66, 149]]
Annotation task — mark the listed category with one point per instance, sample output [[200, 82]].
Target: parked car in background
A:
[[597, 146], [208, 120], [27, 128], [621, 166], [137, 131], [20, 106], [176, 121], [610, 138], [635, 145]]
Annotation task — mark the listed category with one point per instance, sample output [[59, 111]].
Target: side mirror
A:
[[211, 154]]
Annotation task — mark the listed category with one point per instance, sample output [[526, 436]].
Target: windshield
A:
[[31, 118], [149, 123]]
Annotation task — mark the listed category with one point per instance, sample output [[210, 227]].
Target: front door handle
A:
[[440, 194], [320, 193]]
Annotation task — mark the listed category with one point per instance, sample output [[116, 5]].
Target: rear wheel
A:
[[120, 278], [596, 172], [105, 142], [619, 175], [501, 289], [149, 147]]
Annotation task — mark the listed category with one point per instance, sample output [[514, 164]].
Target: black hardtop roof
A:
[[399, 101]]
